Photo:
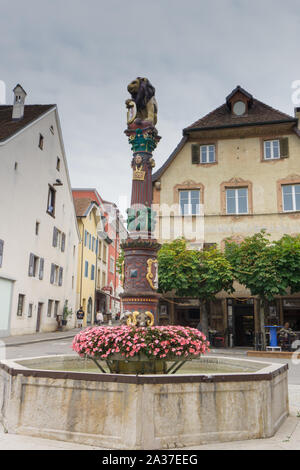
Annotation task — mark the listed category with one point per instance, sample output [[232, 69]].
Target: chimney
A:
[[19, 102], [297, 115]]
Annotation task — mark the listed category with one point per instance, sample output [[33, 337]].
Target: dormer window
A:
[[239, 102], [239, 108]]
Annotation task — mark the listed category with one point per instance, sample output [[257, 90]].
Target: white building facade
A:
[[38, 228]]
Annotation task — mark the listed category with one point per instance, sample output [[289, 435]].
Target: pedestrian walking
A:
[[80, 317], [99, 318]]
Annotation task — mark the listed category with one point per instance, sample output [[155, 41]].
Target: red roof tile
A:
[[258, 113]]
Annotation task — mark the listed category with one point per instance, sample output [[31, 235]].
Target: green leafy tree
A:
[[268, 269], [193, 274]]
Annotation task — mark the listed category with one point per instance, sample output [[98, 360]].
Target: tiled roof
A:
[[8, 127], [258, 113], [82, 205]]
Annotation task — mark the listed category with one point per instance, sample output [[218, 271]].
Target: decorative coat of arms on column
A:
[[152, 273]]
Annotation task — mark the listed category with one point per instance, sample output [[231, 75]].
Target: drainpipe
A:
[[82, 242]]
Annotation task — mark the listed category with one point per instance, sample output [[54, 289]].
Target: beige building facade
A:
[[235, 172]]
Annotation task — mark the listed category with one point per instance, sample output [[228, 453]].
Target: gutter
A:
[[187, 131]]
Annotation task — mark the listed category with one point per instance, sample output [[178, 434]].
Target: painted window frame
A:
[[236, 190], [207, 147], [272, 142], [189, 205], [294, 202]]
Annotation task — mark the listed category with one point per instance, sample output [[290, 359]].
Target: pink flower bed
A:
[[160, 342]]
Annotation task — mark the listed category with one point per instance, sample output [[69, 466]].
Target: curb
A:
[[42, 340]]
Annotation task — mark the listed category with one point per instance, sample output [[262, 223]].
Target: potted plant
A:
[[67, 312]]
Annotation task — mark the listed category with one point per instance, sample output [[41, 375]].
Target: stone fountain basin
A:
[[143, 412]]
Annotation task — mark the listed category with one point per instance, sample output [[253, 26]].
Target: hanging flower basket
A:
[[140, 350]]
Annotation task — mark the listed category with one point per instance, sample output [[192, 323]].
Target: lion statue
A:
[[142, 106]]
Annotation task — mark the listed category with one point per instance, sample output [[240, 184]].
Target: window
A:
[[103, 279], [59, 239], [21, 300], [93, 244], [85, 237], [112, 265], [203, 154], [90, 241], [58, 164], [237, 201], [1, 252], [56, 275], [37, 227], [271, 149], [41, 142], [36, 266], [52, 130], [86, 269], [56, 306], [291, 197], [30, 308], [189, 202], [16, 166], [49, 311], [51, 201], [276, 149], [208, 154], [93, 272]]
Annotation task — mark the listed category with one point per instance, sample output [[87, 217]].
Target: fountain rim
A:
[[267, 372]]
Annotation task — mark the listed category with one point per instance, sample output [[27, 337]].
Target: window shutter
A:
[[41, 273], [63, 242], [60, 277], [1, 252], [284, 147], [195, 154], [55, 233], [52, 273], [31, 264]]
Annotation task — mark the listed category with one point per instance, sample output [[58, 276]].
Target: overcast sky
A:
[[82, 54]]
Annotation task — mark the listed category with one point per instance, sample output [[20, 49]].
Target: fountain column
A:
[[140, 270]]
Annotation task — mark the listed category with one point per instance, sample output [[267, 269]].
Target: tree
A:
[[193, 274], [266, 268]]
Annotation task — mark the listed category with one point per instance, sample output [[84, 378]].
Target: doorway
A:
[[243, 324], [39, 316]]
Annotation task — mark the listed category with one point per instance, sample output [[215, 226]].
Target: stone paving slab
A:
[[286, 438], [11, 341]]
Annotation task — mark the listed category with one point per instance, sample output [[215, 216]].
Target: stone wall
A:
[[144, 412]]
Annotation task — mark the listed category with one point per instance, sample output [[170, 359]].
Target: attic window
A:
[[58, 164], [239, 108], [41, 142], [52, 130]]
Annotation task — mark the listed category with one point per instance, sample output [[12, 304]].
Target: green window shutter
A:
[[195, 154], [284, 147]]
